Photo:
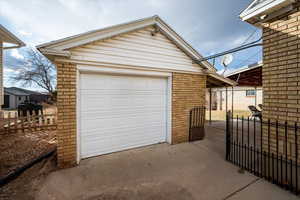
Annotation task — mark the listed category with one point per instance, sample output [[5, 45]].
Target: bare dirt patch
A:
[[17, 149], [28, 183]]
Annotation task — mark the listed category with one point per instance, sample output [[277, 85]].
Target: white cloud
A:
[[22, 32], [8, 70], [15, 53], [209, 28]]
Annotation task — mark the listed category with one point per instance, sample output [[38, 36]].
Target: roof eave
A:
[[253, 15], [10, 38], [259, 64], [223, 79], [59, 47]]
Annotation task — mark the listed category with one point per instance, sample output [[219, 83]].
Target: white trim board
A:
[[263, 8]]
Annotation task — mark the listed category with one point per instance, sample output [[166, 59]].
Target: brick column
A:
[[66, 108], [188, 91]]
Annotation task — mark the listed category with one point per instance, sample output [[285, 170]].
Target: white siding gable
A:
[[137, 49]]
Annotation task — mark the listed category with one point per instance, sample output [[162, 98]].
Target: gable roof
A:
[[8, 37], [258, 8], [60, 47], [20, 91], [245, 68]]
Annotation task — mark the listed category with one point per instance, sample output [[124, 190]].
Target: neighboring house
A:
[[14, 96], [126, 86], [248, 90], [280, 23], [7, 41]]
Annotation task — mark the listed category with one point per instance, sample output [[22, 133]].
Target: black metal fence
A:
[[268, 149], [197, 121]]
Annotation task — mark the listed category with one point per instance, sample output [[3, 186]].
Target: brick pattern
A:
[[66, 108], [188, 91], [281, 73], [281, 70]]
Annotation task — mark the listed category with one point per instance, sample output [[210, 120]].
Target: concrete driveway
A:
[[184, 171]]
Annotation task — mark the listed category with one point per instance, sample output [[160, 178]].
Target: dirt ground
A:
[[20, 148], [17, 149], [26, 185]]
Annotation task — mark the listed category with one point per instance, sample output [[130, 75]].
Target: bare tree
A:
[[37, 70]]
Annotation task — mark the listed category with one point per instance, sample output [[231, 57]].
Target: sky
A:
[[210, 26]]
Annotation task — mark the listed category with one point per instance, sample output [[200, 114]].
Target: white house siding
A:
[[15, 101], [1, 74], [138, 48], [240, 100]]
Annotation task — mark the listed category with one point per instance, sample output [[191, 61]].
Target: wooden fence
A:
[[13, 123]]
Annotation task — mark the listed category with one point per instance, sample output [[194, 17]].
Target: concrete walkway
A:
[[184, 171]]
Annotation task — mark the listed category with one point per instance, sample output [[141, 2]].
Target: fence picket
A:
[[265, 158], [14, 122]]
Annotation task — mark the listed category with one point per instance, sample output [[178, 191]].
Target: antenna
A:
[[226, 60]]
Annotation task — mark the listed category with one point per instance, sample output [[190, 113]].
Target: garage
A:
[[125, 86], [119, 112]]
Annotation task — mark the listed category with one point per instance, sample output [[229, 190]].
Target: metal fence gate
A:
[[197, 122], [267, 149]]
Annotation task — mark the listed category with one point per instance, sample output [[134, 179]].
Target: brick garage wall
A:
[[281, 74], [188, 91], [66, 108]]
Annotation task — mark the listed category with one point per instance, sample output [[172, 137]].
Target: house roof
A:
[[19, 91], [7, 37], [262, 10], [60, 47], [245, 68], [250, 75]]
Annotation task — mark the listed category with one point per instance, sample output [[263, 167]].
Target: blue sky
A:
[[210, 26]]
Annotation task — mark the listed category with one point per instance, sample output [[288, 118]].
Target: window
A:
[[250, 93], [20, 98]]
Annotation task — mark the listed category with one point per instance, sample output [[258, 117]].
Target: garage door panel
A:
[[100, 114], [121, 123], [121, 103], [116, 82], [102, 130], [121, 112], [108, 144], [114, 149], [122, 136]]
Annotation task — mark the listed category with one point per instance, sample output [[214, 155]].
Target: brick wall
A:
[[188, 91], [281, 72], [66, 108]]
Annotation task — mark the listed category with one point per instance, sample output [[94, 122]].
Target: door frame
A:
[[121, 71]]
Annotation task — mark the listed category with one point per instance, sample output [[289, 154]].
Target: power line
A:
[[249, 58], [250, 36]]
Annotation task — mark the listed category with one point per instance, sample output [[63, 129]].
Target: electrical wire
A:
[[249, 58], [250, 36], [240, 48]]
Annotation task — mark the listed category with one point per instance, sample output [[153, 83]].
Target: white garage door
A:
[[120, 112]]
